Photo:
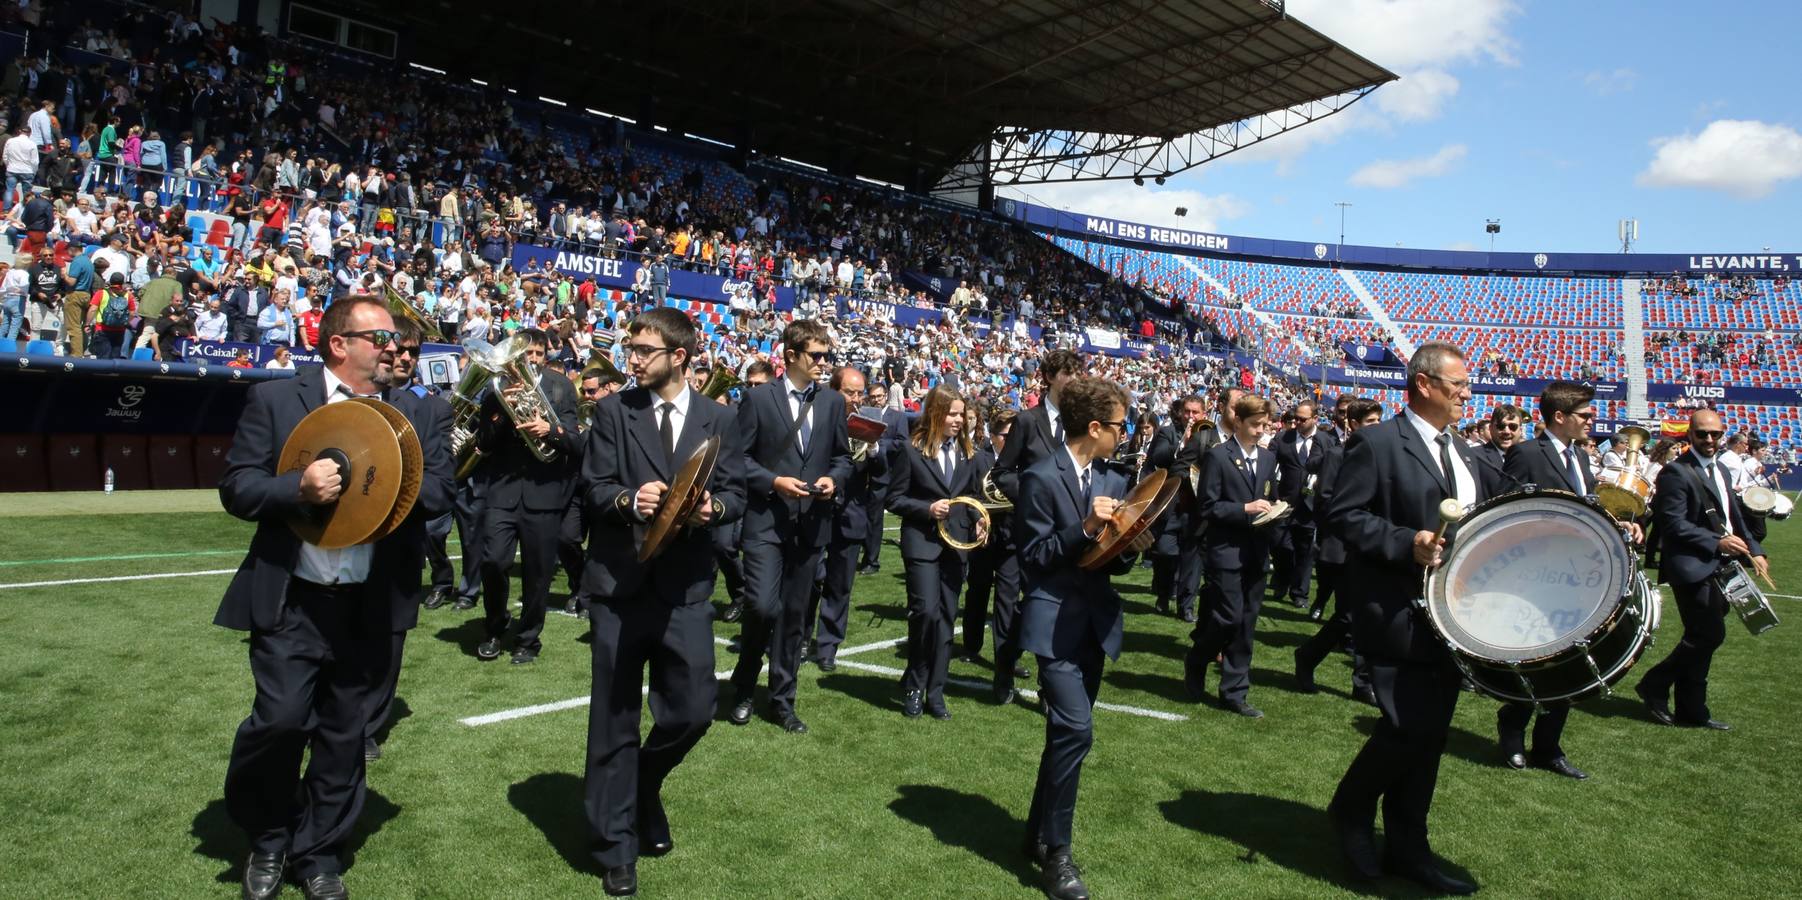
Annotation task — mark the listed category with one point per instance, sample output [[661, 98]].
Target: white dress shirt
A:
[[678, 416], [1465, 486], [349, 565], [794, 410], [1566, 463]]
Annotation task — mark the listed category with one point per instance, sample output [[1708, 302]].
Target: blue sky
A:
[[1557, 118]]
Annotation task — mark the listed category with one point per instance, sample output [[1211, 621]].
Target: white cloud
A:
[[1415, 34], [1608, 83], [1418, 96], [1394, 173], [1745, 158], [1128, 202]]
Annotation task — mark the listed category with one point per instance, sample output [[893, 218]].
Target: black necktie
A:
[[1575, 474], [806, 426], [1057, 431], [1444, 441], [1088, 496], [667, 430], [945, 460]]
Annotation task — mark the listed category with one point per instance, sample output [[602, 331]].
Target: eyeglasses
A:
[[1710, 435], [1454, 385], [819, 356], [409, 349], [380, 337], [645, 351], [1118, 425], [1585, 416]]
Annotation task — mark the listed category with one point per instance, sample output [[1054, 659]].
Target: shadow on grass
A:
[[400, 710], [1271, 638], [1155, 643], [1464, 744], [1169, 687], [1282, 832], [971, 822], [218, 837], [552, 802], [880, 691], [465, 635]]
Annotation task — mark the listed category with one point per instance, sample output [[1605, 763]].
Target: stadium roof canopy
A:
[[917, 92]]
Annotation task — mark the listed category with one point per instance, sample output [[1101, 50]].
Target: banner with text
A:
[[621, 273]]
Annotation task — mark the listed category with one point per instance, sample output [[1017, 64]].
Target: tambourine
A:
[[1141, 508], [379, 460], [680, 501]]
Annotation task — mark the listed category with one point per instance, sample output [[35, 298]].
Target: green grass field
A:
[[120, 700]]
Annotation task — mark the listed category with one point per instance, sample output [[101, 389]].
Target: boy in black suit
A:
[[1238, 484], [1386, 510], [1703, 524], [321, 622], [797, 453], [1071, 617], [657, 611]]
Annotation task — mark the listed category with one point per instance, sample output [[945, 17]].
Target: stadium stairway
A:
[[1402, 342]]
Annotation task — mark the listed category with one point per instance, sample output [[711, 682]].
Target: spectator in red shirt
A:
[[275, 220], [307, 324]]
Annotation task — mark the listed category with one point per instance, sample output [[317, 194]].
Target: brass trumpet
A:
[[990, 500], [403, 308]]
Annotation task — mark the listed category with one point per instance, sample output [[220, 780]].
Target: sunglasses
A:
[[1710, 435], [409, 349], [380, 337], [819, 356], [1506, 426]]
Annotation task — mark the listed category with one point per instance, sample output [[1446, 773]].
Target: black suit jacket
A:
[[1489, 451], [237, 302], [1329, 548], [1293, 471], [1231, 541], [1679, 512], [1537, 462], [514, 477], [867, 490], [1065, 604], [624, 453], [1030, 442], [1389, 488], [1169, 452], [770, 448], [252, 490], [916, 484]]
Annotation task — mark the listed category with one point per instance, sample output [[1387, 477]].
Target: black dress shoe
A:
[[1304, 675], [489, 649], [1020, 670], [372, 751], [570, 606], [792, 724], [263, 875], [1357, 843], [523, 655], [659, 847], [437, 598], [1656, 706], [324, 887], [1560, 766], [741, 713], [1195, 682], [1242, 708], [464, 603], [1364, 695], [1035, 850], [1715, 724], [1162, 606], [912, 704], [969, 657], [1429, 876], [938, 711], [1061, 879], [1003, 689], [867, 570], [733, 612], [828, 664], [1515, 760], [1189, 616], [620, 881]]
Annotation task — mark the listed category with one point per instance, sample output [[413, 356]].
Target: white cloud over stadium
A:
[[1743, 158]]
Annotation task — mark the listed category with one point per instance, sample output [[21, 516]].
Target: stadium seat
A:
[[40, 348], [143, 354], [8, 345]]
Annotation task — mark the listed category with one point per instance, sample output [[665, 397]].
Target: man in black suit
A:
[[1507, 427], [1299, 453], [1386, 509], [726, 541], [1238, 484], [655, 612], [1702, 524], [851, 520], [321, 622], [995, 572], [1071, 618], [1175, 564], [1566, 410], [572, 535], [797, 454], [1038, 434], [524, 499], [896, 420], [1358, 413]]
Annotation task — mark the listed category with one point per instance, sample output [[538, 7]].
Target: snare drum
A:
[[1540, 599], [1743, 595]]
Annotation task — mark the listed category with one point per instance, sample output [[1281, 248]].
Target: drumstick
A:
[[1449, 511]]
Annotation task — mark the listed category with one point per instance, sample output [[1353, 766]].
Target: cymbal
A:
[[379, 458], [1142, 506], [680, 500]]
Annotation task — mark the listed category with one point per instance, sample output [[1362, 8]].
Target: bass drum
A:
[[1540, 599]]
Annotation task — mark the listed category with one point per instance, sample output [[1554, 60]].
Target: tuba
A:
[[402, 308], [466, 403], [598, 365], [502, 369], [720, 380]]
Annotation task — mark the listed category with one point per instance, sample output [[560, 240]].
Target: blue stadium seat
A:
[[143, 353], [41, 348], [8, 345]]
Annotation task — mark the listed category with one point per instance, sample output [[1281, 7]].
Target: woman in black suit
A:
[[939, 464]]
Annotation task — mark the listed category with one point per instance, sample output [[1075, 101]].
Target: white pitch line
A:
[[1028, 694], [58, 583]]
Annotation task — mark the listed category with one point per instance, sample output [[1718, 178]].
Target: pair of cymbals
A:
[[379, 459], [679, 502], [1141, 508]]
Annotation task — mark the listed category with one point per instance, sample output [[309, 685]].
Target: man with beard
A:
[[851, 523]]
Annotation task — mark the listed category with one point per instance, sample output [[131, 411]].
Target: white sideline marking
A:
[[34, 584], [1030, 695]]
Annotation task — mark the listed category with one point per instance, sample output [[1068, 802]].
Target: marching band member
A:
[[995, 571], [1702, 523], [1299, 453], [867, 486], [726, 537], [1238, 483], [1175, 562], [321, 622], [656, 612], [1071, 618], [1386, 509], [572, 533], [525, 499], [797, 453], [939, 466], [1360, 413]]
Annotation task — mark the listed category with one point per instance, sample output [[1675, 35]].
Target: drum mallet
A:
[[1449, 513]]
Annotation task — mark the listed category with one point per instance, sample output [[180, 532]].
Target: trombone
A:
[[990, 500]]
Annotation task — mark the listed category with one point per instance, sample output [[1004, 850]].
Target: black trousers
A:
[[1234, 597], [1703, 610], [994, 570], [1177, 577], [872, 539], [835, 596], [572, 538], [437, 534], [1068, 688], [1333, 631], [624, 774], [1511, 726], [1399, 763], [932, 589], [467, 513], [725, 553], [381, 702], [314, 678], [533, 533], [1294, 563], [778, 580]]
